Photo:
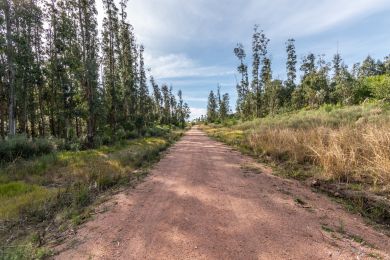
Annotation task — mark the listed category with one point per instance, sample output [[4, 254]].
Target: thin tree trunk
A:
[[3, 111], [11, 72]]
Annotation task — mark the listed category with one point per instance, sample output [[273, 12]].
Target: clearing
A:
[[204, 200]]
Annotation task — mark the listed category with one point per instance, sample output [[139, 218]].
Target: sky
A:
[[189, 44]]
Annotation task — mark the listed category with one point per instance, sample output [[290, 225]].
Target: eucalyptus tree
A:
[[166, 111], [3, 75], [143, 95], [111, 51], [259, 50], [9, 17], [212, 107], [157, 100], [127, 63], [89, 70], [291, 62], [243, 103], [224, 107]]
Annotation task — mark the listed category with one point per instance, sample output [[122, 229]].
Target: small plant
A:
[[300, 201], [327, 229]]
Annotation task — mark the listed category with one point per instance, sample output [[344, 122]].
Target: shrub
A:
[[379, 86], [157, 131], [23, 147]]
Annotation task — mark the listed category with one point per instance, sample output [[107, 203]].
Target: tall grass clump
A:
[[349, 144], [22, 147]]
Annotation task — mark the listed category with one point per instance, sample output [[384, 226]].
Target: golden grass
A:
[[346, 153], [349, 144]]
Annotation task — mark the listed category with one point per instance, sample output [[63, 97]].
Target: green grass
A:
[[16, 197], [62, 185]]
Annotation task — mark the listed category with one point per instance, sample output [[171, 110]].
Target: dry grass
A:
[[346, 154], [349, 144]]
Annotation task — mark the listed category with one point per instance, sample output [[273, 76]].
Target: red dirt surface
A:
[[204, 200]]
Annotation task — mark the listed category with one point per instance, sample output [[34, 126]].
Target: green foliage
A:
[[23, 147], [65, 183], [50, 61], [321, 82], [377, 86], [19, 199]]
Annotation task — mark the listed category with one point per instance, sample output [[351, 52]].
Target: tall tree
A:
[[143, 97], [224, 107], [291, 65], [259, 52], [212, 113], [158, 100], [89, 67], [110, 47], [337, 65], [9, 17], [166, 113], [243, 87]]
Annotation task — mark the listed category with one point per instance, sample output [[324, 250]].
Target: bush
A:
[[23, 147], [156, 131], [379, 86]]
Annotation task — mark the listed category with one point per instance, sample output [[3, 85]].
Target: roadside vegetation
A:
[[78, 115], [331, 127], [344, 151], [50, 194]]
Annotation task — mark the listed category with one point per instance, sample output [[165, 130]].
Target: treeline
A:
[[218, 108], [321, 82], [59, 77]]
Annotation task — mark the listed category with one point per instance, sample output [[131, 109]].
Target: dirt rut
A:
[[204, 200]]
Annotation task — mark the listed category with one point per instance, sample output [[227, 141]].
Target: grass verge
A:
[[346, 150], [48, 195]]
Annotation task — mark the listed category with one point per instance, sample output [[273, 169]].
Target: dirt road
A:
[[204, 201]]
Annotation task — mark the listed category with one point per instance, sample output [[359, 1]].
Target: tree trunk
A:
[[11, 72], [2, 116]]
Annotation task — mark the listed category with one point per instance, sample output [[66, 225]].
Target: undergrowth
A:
[[333, 144], [56, 188]]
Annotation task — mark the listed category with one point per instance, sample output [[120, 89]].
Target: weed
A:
[[300, 201], [61, 186], [327, 229]]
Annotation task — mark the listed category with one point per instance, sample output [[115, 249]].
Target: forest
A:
[[64, 78], [80, 116]]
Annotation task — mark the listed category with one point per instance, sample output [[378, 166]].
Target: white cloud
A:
[[180, 65], [169, 29], [197, 112], [181, 36], [301, 18], [166, 24], [194, 99]]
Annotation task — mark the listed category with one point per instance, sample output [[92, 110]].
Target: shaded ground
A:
[[206, 201]]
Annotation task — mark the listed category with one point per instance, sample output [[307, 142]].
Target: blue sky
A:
[[189, 44]]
